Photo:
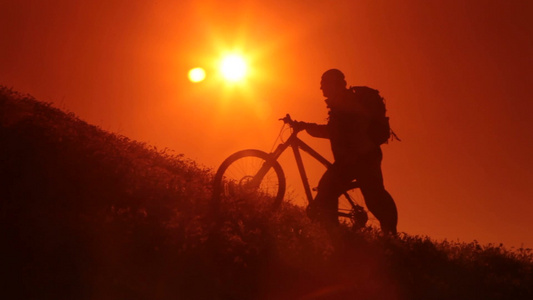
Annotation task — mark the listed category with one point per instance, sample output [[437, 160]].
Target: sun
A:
[[233, 67]]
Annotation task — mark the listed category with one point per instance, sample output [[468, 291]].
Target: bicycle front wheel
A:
[[249, 174]]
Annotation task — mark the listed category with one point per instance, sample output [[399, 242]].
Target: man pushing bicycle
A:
[[355, 129]]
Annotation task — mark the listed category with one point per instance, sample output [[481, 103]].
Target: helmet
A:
[[333, 76]]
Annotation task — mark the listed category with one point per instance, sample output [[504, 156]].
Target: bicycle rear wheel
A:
[[250, 174], [353, 211]]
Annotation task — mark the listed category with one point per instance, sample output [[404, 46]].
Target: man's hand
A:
[[296, 125], [299, 126]]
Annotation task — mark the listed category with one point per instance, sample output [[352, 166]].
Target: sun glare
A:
[[196, 74], [233, 67]]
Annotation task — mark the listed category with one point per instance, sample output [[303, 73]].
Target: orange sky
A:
[[457, 76]]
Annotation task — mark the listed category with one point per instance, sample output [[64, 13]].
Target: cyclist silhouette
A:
[[356, 156]]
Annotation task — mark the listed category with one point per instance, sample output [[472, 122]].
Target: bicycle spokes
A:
[[250, 176], [353, 212]]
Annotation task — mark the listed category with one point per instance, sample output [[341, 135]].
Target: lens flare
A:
[[196, 74]]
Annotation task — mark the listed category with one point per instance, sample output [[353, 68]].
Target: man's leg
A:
[[377, 199], [330, 187], [382, 206]]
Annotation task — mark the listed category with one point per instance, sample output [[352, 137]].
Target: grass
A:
[[88, 214]]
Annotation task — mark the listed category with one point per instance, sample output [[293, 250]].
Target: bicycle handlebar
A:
[[287, 119], [295, 125]]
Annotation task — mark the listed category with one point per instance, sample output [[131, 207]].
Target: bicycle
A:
[[255, 173]]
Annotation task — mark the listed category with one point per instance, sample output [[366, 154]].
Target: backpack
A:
[[379, 129]]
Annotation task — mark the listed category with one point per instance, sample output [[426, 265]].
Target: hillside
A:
[[88, 214]]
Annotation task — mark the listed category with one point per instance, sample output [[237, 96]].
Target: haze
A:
[[457, 77]]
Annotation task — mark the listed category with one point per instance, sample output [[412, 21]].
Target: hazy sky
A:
[[457, 77]]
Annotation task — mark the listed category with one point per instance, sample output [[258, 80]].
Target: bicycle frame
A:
[[296, 144], [252, 181]]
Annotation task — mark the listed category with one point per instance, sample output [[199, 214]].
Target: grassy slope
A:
[[87, 214]]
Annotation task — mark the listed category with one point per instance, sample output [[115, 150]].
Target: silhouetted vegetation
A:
[[87, 214]]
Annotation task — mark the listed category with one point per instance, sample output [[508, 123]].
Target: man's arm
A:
[[317, 130]]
